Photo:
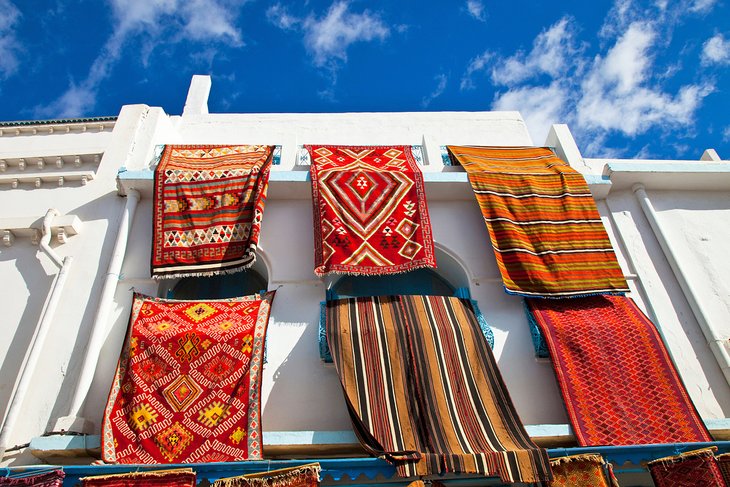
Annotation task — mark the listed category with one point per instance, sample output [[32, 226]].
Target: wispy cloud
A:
[[716, 50], [328, 37], [540, 106], [476, 9], [620, 90], [442, 81], [476, 65], [726, 134], [9, 46], [199, 21]]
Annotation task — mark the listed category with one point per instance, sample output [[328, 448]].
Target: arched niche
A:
[[250, 281], [449, 279]]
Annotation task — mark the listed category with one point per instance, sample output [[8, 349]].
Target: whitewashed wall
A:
[[300, 392]]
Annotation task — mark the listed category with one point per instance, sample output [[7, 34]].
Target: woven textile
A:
[[724, 463], [182, 477], [582, 471], [370, 214], [48, 479], [303, 476], [618, 382], [208, 206], [424, 390], [692, 469], [188, 384], [545, 229]]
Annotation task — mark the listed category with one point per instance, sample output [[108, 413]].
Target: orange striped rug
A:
[[545, 228]]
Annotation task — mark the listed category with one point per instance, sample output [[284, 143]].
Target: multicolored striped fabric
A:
[[424, 391], [545, 229], [208, 206], [619, 384]]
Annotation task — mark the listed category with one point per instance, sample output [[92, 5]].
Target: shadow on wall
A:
[[700, 350], [27, 261], [301, 381]]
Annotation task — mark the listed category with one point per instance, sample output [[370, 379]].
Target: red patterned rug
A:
[[619, 384], [187, 387], [724, 462], [370, 214], [692, 469], [208, 206], [182, 477], [48, 479]]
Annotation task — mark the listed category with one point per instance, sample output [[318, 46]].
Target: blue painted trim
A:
[[538, 341], [276, 156], [596, 179], [324, 349], [678, 167], [352, 468], [638, 454]]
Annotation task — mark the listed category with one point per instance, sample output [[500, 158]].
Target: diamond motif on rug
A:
[[181, 393], [359, 193]]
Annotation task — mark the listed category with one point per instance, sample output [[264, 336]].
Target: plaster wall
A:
[[299, 391]]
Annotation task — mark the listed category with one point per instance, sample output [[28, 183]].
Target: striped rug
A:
[[208, 206], [619, 384], [545, 229], [424, 391]]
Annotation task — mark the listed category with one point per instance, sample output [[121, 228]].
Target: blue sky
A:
[[632, 79]]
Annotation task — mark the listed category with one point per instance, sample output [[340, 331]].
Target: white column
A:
[[100, 329]]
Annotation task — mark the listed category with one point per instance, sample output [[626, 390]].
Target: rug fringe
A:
[[285, 477], [588, 457], [709, 451], [216, 272], [355, 272], [137, 475]]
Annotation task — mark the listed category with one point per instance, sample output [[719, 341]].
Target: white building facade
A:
[[76, 224]]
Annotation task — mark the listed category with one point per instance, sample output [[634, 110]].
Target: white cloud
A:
[[620, 90], [702, 6], [279, 15], [329, 37], [476, 65], [153, 22], [9, 46], [442, 80], [553, 51], [616, 94], [726, 134], [541, 106], [716, 50], [476, 9]]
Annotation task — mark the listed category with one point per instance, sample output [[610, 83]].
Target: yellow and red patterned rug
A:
[[188, 384], [370, 214], [545, 229], [208, 206]]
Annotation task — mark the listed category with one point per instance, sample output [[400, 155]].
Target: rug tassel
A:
[[286, 477]]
